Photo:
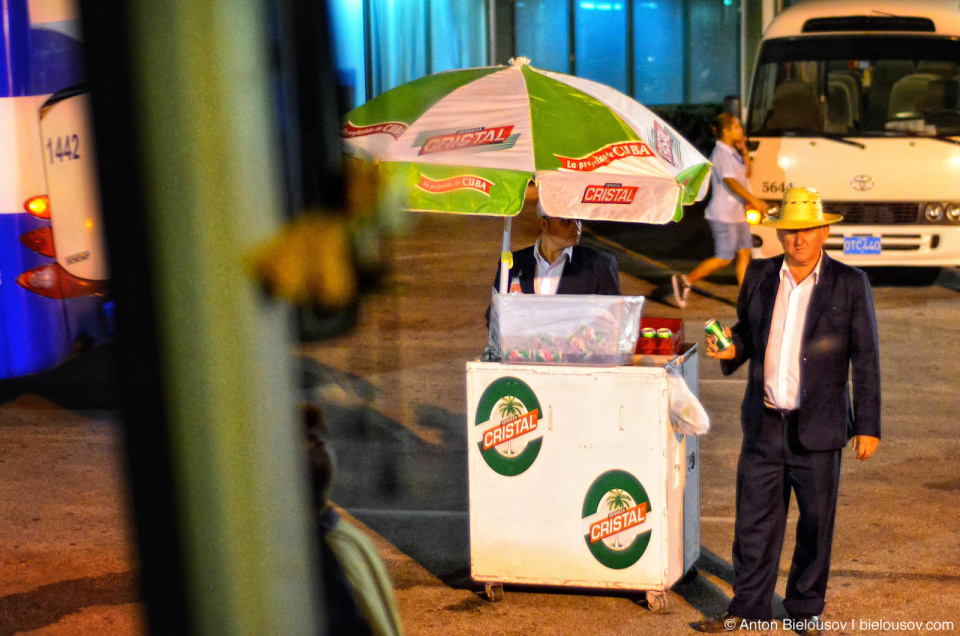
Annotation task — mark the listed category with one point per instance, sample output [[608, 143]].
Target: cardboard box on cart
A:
[[675, 325]]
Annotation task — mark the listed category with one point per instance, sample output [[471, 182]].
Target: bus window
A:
[[857, 85]]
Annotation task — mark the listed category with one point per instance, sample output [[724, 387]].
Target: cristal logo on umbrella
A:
[[392, 128], [609, 193], [508, 413], [615, 511], [606, 155], [478, 139], [460, 182]]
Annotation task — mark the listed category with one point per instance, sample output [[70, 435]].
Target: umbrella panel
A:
[[458, 189], [597, 154]]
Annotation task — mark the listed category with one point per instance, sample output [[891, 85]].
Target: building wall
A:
[[658, 51]]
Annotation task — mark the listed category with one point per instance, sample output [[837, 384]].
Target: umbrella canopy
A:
[[469, 141]]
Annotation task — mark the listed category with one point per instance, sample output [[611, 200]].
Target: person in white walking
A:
[[726, 212]]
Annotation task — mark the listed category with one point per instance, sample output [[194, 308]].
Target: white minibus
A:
[[860, 101]]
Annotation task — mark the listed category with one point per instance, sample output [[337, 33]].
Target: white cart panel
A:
[[576, 476]]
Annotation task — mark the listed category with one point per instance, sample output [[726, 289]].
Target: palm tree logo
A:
[[510, 407], [618, 500]]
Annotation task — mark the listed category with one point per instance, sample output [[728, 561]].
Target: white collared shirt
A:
[[724, 205], [781, 365], [548, 274]]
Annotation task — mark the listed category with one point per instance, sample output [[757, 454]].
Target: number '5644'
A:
[[66, 148]]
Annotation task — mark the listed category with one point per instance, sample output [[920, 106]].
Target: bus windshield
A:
[[856, 86]]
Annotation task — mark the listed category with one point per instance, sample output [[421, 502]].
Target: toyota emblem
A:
[[861, 182]]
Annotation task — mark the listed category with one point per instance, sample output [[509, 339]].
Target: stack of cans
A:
[[648, 340], [656, 341], [664, 341]]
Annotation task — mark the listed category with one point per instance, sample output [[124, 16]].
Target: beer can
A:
[[664, 341], [648, 340], [714, 328]]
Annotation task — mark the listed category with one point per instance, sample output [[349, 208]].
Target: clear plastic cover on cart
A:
[[564, 329]]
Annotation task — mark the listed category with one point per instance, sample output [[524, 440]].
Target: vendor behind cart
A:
[[558, 264]]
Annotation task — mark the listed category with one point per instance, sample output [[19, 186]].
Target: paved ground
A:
[[395, 391], [889, 564]]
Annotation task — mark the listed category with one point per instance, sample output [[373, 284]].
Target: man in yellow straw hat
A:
[[803, 320]]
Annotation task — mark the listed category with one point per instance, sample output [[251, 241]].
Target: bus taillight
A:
[[53, 281], [40, 241], [38, 206]]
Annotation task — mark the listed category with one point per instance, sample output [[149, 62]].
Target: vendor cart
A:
[[590, 486], [576, 477]]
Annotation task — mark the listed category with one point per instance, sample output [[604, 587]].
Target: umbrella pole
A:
[[506, 257]]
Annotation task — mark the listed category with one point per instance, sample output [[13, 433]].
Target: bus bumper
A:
[[900, 246]]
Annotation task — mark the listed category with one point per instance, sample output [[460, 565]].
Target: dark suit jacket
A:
[[587, 272], [840, 331]]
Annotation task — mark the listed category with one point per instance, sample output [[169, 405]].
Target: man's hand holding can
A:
[[719, 348]]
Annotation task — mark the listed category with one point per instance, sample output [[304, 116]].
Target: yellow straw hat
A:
[[802, 209]]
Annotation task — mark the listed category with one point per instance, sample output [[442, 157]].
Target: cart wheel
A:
[[494, 591], [656, 602]]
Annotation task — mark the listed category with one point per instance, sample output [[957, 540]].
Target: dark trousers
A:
[[769, 468]]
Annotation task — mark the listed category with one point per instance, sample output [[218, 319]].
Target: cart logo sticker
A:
[[615, 512], [392, 128], [463, 182], [509, 414], [510, 428], [666, 143], [607, 154], [479, 139], [609, 193]]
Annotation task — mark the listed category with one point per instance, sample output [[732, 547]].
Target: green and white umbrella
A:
[[469, 141]]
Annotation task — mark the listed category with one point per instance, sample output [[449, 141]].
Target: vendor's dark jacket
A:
[[840, 332], [587, 272]]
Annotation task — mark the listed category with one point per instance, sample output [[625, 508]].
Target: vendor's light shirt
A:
[[548, 274], [781, 365], [724, 205]]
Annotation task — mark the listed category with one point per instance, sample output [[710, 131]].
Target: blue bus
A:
[[53, 266]]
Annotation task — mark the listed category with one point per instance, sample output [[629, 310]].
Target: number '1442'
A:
[[64, 148]]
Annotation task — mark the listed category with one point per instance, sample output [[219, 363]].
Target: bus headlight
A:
[[933, 212], [953, 212]]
